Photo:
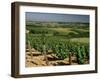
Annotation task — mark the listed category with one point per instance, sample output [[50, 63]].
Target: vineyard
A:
[[48, 44]]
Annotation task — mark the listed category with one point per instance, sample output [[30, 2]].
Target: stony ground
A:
[[37, 59]]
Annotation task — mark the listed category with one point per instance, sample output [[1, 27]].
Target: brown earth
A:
[[37, 59]]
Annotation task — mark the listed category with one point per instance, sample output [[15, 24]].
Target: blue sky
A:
[[53, 17]]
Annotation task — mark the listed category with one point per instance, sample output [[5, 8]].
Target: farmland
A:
[[57, 43]]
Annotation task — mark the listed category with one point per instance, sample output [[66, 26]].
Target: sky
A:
[[55, 17]]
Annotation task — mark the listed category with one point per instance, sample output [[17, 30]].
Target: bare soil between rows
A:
[[37, 59]]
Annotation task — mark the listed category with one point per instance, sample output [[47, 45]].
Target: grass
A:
[[75, 34], [82, 40]]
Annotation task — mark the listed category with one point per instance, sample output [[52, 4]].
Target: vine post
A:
[[45, 55], [43, 36], [70, 59], [30, 50]]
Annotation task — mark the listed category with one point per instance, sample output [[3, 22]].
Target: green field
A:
[[60, 37]]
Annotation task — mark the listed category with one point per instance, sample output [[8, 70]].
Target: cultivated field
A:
[[57, 43]]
